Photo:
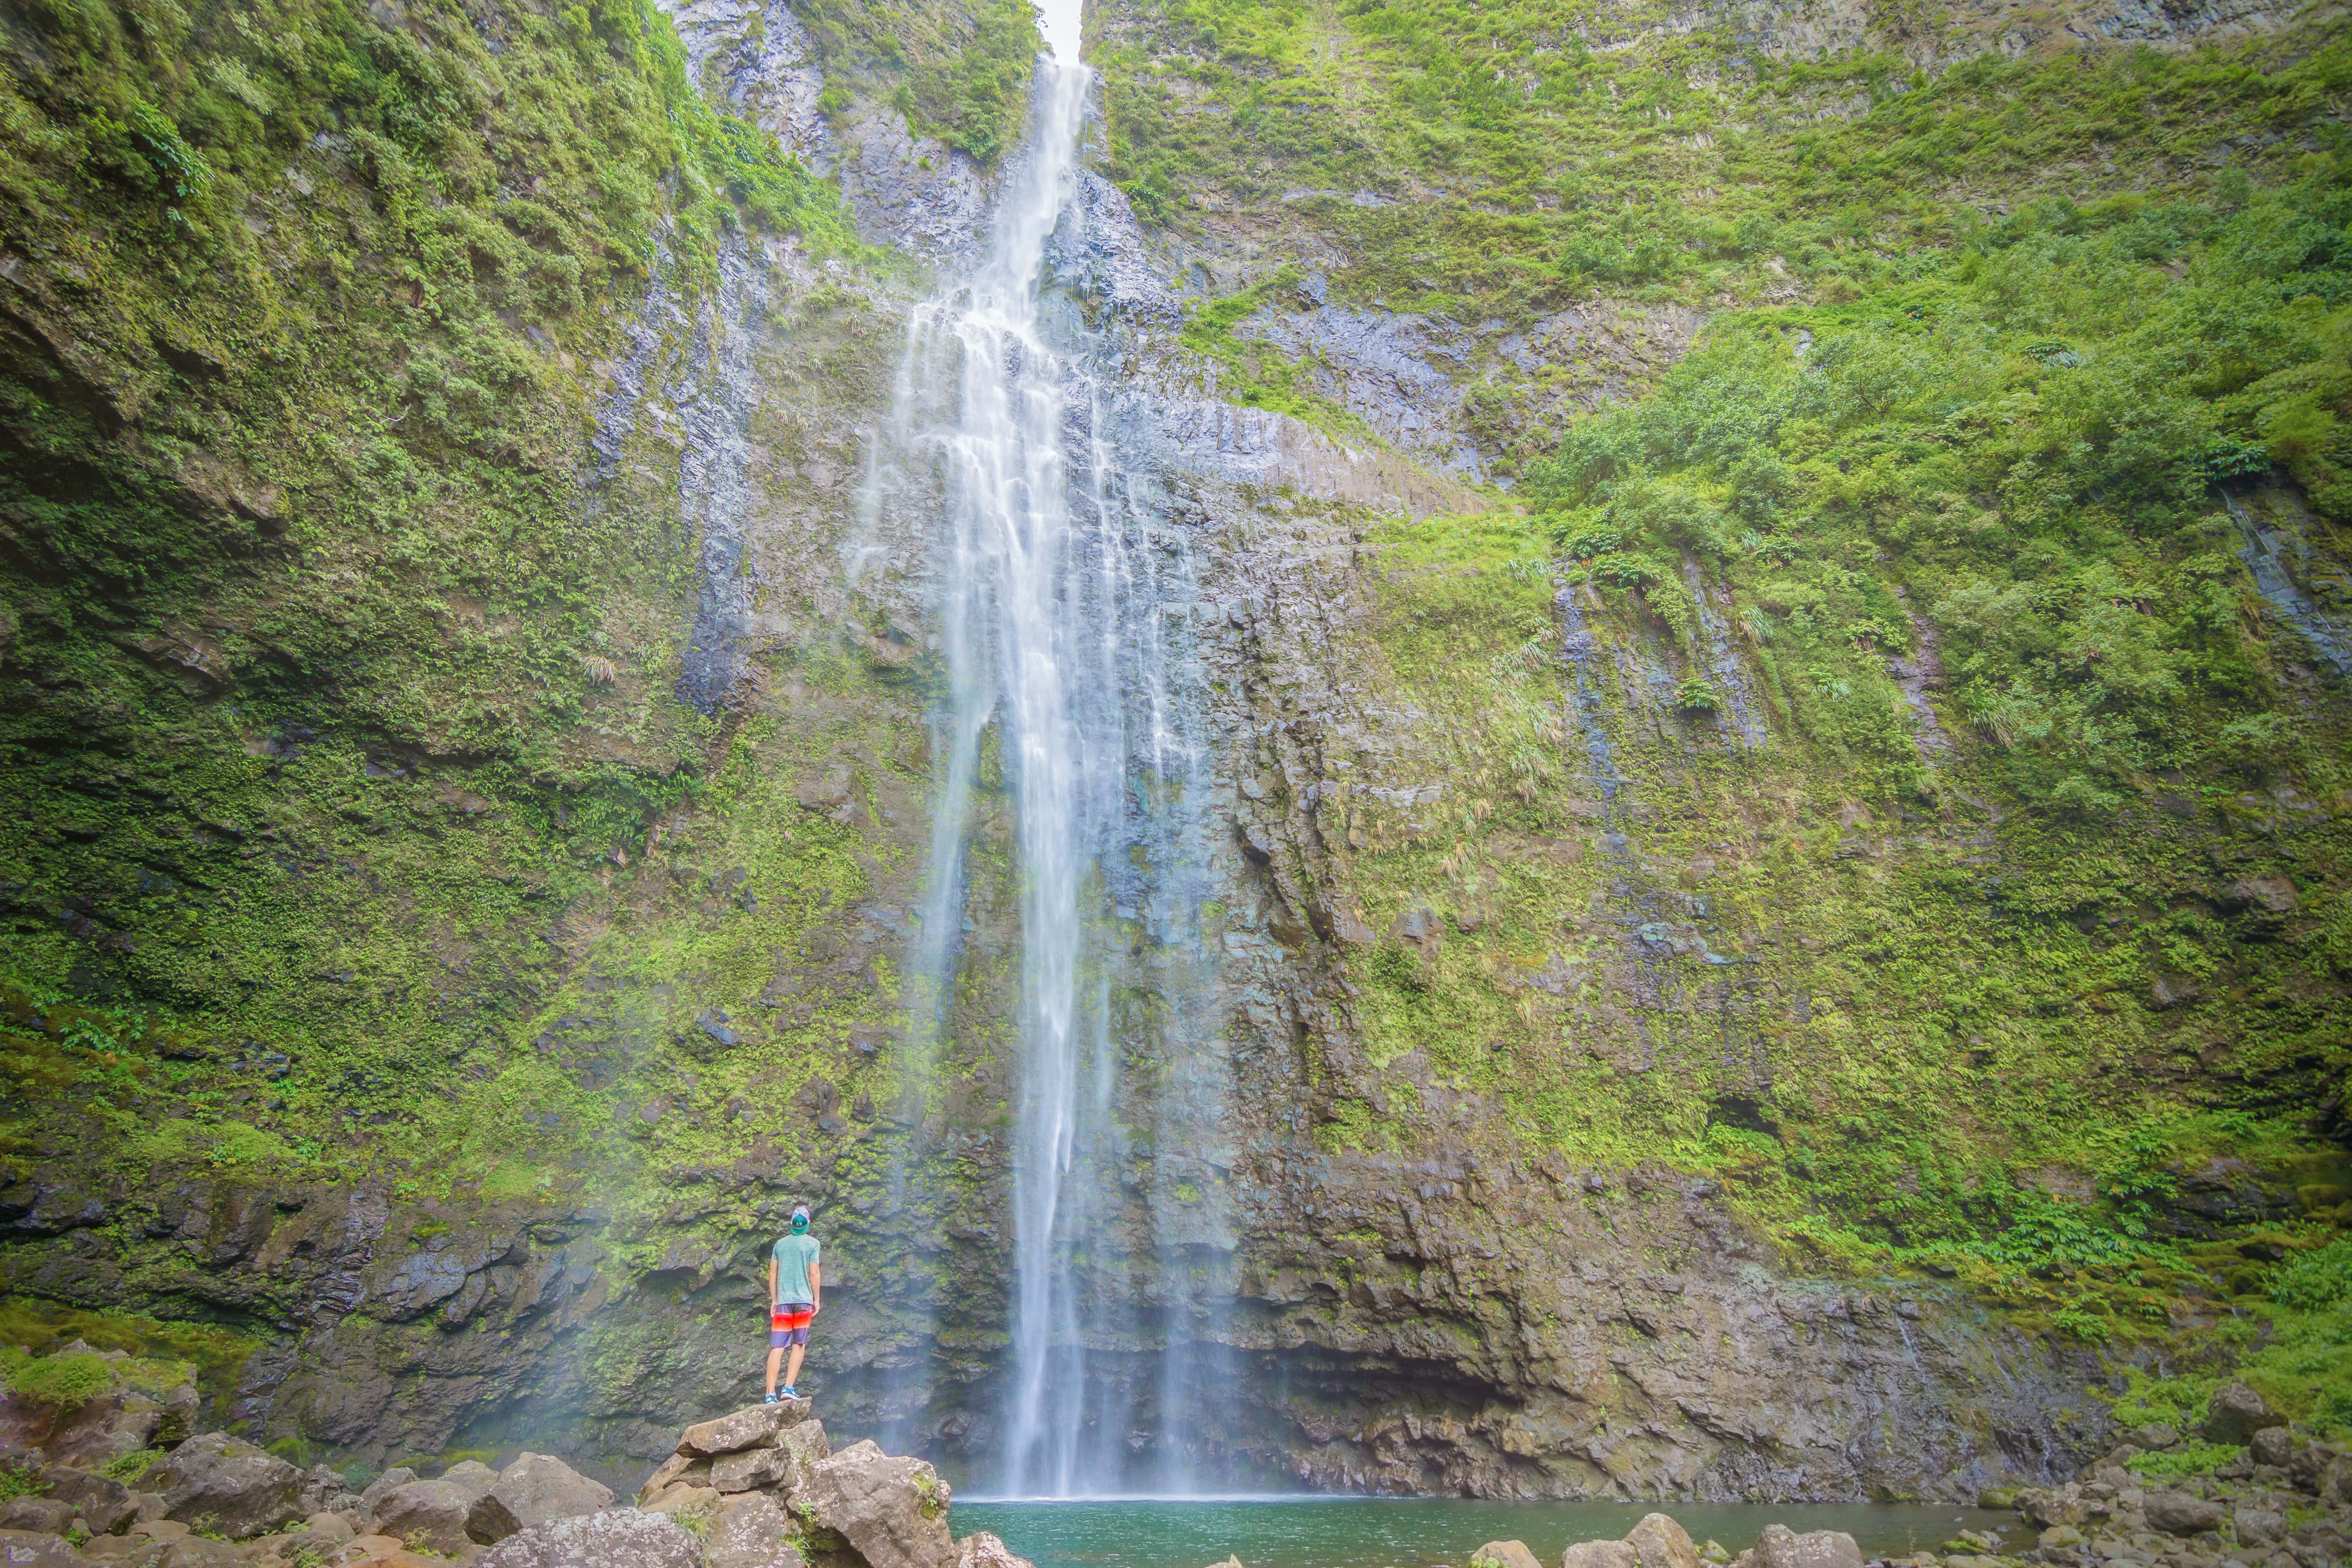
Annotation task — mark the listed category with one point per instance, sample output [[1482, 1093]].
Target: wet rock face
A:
[[1545, 1285]]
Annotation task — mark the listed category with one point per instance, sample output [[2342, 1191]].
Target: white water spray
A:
[[1063, 605]]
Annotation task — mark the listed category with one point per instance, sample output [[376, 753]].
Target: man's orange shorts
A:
[[788, 1323]]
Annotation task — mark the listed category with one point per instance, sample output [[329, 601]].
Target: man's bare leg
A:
[[775, 1356], [792, 1376]]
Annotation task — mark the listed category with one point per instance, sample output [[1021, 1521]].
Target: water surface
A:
[[1418, 1532]]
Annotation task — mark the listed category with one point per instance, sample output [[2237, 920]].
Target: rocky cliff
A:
[[1762, 594]]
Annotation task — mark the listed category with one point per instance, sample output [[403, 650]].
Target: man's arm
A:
[[816, 1288], [772, 1281]]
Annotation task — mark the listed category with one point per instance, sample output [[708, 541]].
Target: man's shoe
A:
[[771, 1398], [791, 1393]]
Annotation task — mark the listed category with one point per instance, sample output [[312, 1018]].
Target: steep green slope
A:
[[2000, 502]]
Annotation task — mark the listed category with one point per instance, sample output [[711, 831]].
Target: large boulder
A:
[[1656, 1543], [1502, 1555], [2178, 1513], [104, 1504], [2235, 1413], [750, 1534], [428, 1514], [1780, 1547], [38, 1549], [753, 1426], [40, 1515], [324, 1491], [1660, 1542], [2062, 1505], [219, 1485], [611, 1540], [677, 1471], [893, 1510], [783, 1470], [384, 1485], [1600, 1554], [982, 1549], [535, 1489], [2272, 1446], [473, 1475], [2255, 1526], [112, 1422]]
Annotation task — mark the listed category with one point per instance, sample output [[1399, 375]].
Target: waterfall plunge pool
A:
[[1414, 1533]]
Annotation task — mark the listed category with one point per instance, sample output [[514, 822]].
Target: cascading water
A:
[[1063, 606]]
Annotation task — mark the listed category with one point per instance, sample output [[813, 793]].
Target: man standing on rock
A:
[[794, 1284]]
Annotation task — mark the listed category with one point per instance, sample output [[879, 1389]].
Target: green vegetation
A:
[[62, 1382], [2046, 513], [1954, 515], [961, 75], [130, 1468]]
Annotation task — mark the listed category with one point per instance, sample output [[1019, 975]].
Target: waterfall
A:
[[1064, 609]]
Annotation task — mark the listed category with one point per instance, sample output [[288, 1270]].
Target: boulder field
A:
[[763, 1487], [760, 1488]]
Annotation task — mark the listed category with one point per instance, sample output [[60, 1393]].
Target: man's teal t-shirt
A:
[[795, 1256]]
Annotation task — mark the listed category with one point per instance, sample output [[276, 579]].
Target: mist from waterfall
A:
[[1065, 606]]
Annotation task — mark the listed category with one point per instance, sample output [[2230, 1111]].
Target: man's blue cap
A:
[[800, 1216]]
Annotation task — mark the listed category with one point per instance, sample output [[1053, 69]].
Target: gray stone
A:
[[105, 1506], [426, 1513], [756, 1469], [750, 1534], [2178, 1513], [699, 1503], [38, 1549], [2235, 1413], [2272, 1446], [893, 1510], [677, 1471], [474, 1476], [193, 1552], [328, 1526], [219, 1485], [1780, 1547], [982, 1549], [2154, 1435], [622, 1537], [754, 1427], [1660, 1542], [324, 1491], [41, 1515], [535, 1489], [1502, 1555], [1600, 1554], [2043, 1508], [384, 1485], [2257, 1525]]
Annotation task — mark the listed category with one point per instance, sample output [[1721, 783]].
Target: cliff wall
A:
[[1766, 593]]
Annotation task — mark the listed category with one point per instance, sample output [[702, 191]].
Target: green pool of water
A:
[[1378, 1532]]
